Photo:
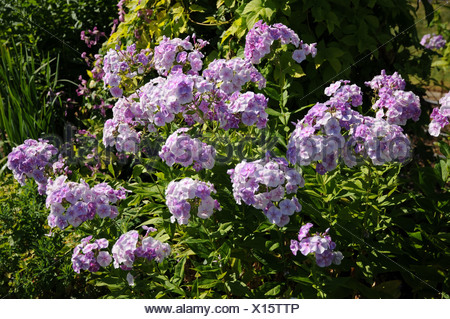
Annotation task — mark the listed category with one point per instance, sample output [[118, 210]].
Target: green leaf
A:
[[332, 20], [389, 288], [196, 8], [253, 6], [111, 170], [416, 235], [201, 247], [272, 93], [444, 170], [301, 280], [273, 292], [179, 271], [333, 52], [445, 149], [372, 21], [138, 170], [273, 112], [208, 283], [335, 64], [428, 11], [238, 288]]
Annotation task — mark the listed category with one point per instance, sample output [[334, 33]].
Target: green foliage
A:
[[28, 104], [442, 64], [33, 265], [391, 222], [355, 40], [53, 28]]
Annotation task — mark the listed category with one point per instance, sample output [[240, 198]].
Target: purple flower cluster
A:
[[73, 203], [97, 72], [394, 104], [378, 140], [123, 63], [190, 97], [82, 89], [299, 55], [175, 53], [440, 117], [264, 183], [188, 194], [182, 149], [393, 82], [231, 75], [432, 41], [89, 256], [120, 6], [260, 38], [343, 96], [120, 135], [32, 159], [249, 108], [319, 136], [130, 246], [154, 104], [59, 167], [91, 37], [319, 244]]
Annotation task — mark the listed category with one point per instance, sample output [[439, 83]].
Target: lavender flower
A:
[[130, 246], [319, 244], [178, 52], [89, 256], [74, 203], [91, 37], [248, 108], [182, 149], [394, 104], [231, 75], [440, 117], [187, 195], [380, 141], [119, 64], [432, 41], [264, 183], [333, 130], [260, 38], [32, 159], [318, 137]]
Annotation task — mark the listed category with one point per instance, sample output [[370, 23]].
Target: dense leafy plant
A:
[[32, 91], [34, 265], [39, 22], [442, 33], [346, 35], [29, 102], [222, 209]]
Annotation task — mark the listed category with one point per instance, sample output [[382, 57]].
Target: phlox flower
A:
[[432, 41], [131, 245], [263, 184], [89, 256], [440, 117], [259, 39], [319, 244], [394, 104], [188, 194], [182, 149], [33, 159], [74, 203]]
